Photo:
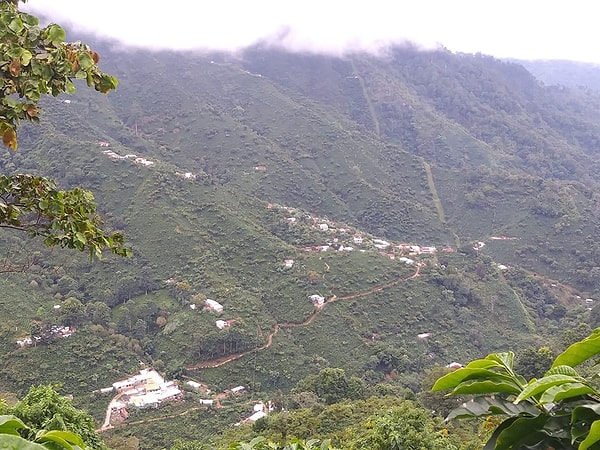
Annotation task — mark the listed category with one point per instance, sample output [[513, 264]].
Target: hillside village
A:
[[149, 389]]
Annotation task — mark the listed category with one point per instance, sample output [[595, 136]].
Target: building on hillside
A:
[[317, 300], [148, 388], [414, 249], [222, 324], [215, 306], [428, 250], [323, 227], [358, 239], [454, 365], [193, 384], [254, 417], [288, 263], [381, 244], [238, 390]]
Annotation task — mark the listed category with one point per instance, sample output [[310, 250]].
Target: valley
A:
[[383, 215]]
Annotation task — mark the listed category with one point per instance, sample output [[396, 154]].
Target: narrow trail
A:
[[363, 86], [152, 419], [227, 359], [436, 199], [106, 425]]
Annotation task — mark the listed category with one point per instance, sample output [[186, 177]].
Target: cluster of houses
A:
[[259, 410], [145, 389], [213, 305], [51, 333], [343, 238], [134, 158]]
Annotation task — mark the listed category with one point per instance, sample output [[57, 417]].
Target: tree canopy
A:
[[43, 408], [35, 62]]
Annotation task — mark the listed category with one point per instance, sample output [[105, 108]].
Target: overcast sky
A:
[[527, 29]]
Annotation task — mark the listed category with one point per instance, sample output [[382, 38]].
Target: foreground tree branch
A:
[[34, 62]]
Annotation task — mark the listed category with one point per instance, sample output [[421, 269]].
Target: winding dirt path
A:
[[227, 359]]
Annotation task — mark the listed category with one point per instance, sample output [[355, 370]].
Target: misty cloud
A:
[[512, 28]]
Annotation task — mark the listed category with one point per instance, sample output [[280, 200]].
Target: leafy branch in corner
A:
[[561, 410]]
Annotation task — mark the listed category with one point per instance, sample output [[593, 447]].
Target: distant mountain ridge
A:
[[426, 148]]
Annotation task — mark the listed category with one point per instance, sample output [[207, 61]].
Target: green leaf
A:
[[486, 406], [486, 387], [536, 387], [56, 33], [592, 437], [562, 370], [522, 431], [580, 351], [506, 359], [65, 438], [453, 379], [564, 391], [16, 25], [26, 57], [10, 425], [85, 61], [482, 364], [18, 443]]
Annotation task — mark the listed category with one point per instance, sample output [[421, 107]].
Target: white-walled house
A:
[[215, 306]]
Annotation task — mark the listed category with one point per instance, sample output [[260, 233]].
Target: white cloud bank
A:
[[531, 29]]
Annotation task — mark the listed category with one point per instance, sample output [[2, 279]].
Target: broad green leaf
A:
[[562, 370], [482, 364], [85, 61], [536, 387], [10, 425], [522, 431], [592, 437], [564, 391], [506, 359], [18, 443], [486, 387], [16, 25], [486, 406], [453, 379], [587, 412], [580, 351], [60, 436], [56, 33]]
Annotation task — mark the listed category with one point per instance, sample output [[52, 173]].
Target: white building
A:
[[215, 306], [317, 300]]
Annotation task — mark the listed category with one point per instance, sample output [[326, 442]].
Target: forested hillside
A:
[[219, 168]]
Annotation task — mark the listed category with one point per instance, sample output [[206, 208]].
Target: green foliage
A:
[[260, 443], [64, 218], [35, 62], [558, 410], [10, 437], [534, 363], [402, 427], [332, 385], [45, 409]]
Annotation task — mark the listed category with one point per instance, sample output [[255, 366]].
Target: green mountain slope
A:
[[250, 156]]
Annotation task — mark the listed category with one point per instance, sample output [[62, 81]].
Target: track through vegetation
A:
[[227, 359]]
